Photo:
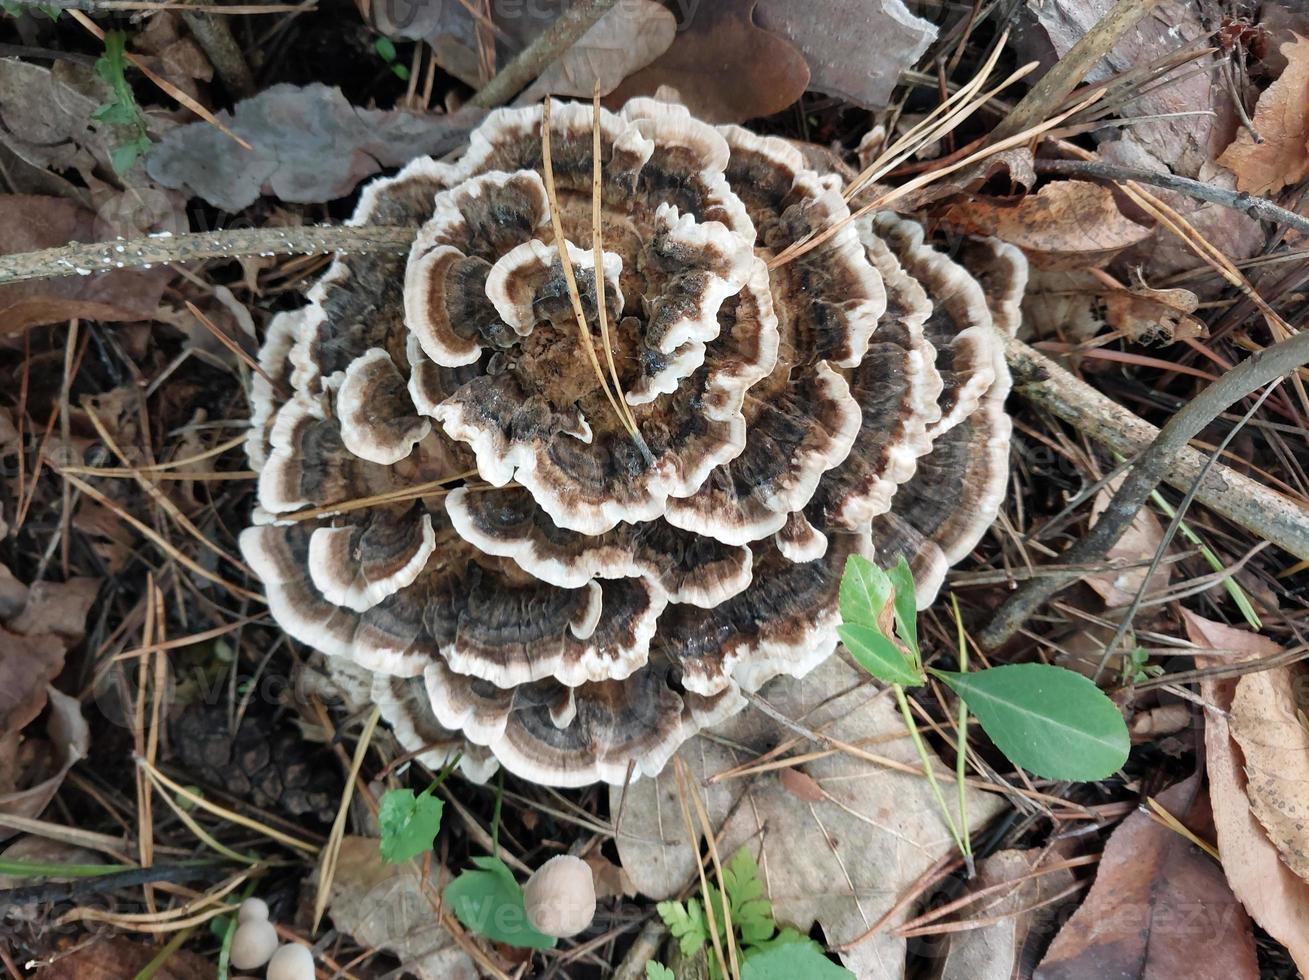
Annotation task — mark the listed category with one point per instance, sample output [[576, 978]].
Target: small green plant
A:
[[16, 9], [754, 931], [1137, 667], [409, 823], [1047, 719], [489, 902], [121, 111], [385, 49]]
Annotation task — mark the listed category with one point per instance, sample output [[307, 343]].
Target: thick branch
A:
[[1259, 208], [1163, 456], [544, 49], [84, 260]]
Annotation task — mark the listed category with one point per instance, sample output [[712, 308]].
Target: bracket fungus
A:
[[588, 461]]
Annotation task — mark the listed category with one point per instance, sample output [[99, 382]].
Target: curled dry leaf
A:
[[69, 741], [1135, 549], [625, 39], [1159, 908], [1021, 917], [310, 145], [385, 906], [1282, 120], [1272, 893], [1269, 726], [1079, 306], [726, 68], [836, 37], [27, 665], [1067, 224], [31, 222], [843, 861]]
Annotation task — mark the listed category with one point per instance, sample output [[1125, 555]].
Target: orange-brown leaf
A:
[[1282, 119]]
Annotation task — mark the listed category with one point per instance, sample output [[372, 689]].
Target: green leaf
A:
[[409, 823], [865, 591], [906, 604], [657, 971], [1049, 720], [489, 902], [788, 937], [687, 923], [385, 47], [400, 72], [792, 961], [879, 655], [752, 913]]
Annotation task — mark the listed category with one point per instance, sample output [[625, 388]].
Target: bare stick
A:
[[533, 59], [1259, 208], [83, 260], [1161, 459]]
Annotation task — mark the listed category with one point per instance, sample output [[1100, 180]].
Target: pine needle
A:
[[566, 264]]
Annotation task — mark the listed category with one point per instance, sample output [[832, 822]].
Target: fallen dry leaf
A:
[[1077, 305], [1067, 224], [27, 665], [1269, 726], [1272, 893], [310, 145], [1025, 917], [57, 607], [116, 957], [1135, 548], [29, 223], [1282, 119], [1159, 908], [835, 38], [384, 906], [611, 881], [625, 39], [726, 68], [69, 741], [1185, 142], [842, 861]]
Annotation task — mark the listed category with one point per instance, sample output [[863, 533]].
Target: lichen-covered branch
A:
[[1161, 455], [139, 253]]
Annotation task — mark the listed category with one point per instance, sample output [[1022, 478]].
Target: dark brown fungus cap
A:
[[450, 499]]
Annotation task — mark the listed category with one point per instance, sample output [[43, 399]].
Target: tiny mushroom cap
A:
[[253, 944], [292, 962], [560, 897], [252, 908]]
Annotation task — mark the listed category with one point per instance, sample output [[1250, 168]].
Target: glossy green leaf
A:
[[408, 823], [906, 604], [865, 591], [879, 655], [1051, 721], [385, 48], [657, 971], [792, 961], [489, 902]]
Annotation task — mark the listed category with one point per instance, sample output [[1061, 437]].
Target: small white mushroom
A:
[[255, 941], [252, 908], [560, 897], [291, 962]]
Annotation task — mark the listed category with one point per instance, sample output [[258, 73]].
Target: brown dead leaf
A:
[[801, 785], [611, 881], [57, 607], [29, 223], [625, 39], [836, 36], [1024, 917], [69, 740], [27, 665], [1135, 548], [116, 957], [384, 906], [843, 861], [726, 68], [1269, 726], [1282, 119], [1159, 908], [1067, 224], [1272, 893], [1077, 305]]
